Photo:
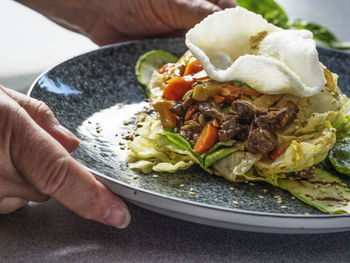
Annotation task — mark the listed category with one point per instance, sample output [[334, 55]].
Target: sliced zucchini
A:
[[324, 191], [149, 62]]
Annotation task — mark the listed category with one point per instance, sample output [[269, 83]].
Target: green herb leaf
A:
[[269, 9], [339, 156], [321, 34]]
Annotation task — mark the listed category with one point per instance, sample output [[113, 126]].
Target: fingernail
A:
[[117, 217], [69, 140]]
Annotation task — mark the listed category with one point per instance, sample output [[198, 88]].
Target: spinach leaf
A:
[[339, 156], [269, 9], [321, 34]]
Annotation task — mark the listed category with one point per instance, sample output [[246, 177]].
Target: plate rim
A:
[[173, 199]]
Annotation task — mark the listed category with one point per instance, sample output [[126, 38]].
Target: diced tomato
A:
[[177, 87], [207, 138]]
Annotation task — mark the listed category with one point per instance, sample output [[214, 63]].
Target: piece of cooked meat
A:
[[246, 110], [180, 107], [261, 139], [191, 130], [230, 127], [210, 109]]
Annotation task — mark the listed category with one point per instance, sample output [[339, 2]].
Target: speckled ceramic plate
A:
[[96, 94]]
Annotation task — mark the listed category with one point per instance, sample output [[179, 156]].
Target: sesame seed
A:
[[293, 197], [235, 202], [182, 185], [191, 189], [192, 193], [135, 177], [265, 190], [232, 189], [260, 196], [280, 201], [277, 196], [89, 122], [126, 122], [283, 206], [344, 185], [155, 176], [121, 143], [307, 214], [122, 147]]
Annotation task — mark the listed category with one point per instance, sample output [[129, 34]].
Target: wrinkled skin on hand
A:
[[35, 164], [34, 149], [111, 21]]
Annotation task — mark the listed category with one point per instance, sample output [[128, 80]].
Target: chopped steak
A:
[[180, 107], [190, 131], [261, 139], [246, 110], [230, 127], [210, 109], [177, 108], [242, 135]]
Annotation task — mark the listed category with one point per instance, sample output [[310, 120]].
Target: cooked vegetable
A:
[[167, 118], [193, 67], [339, 156], [148, 63], [176, 88], [207, 138], [323, 191]]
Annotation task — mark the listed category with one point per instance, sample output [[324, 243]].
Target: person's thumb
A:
[[51, 170], [45, 118]]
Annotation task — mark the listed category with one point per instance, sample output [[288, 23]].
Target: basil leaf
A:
[[269, 9], [321, 34]]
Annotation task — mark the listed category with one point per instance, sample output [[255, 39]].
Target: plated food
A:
[[250, 102]]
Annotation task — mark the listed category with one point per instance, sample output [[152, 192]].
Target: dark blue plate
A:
[[95, 93]]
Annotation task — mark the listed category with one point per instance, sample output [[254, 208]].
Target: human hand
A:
[[111, 21], [36, 165]]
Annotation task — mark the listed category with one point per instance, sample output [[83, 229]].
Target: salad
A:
[[249, 102]]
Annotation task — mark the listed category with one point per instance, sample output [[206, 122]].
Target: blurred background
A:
[[30, 43]]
